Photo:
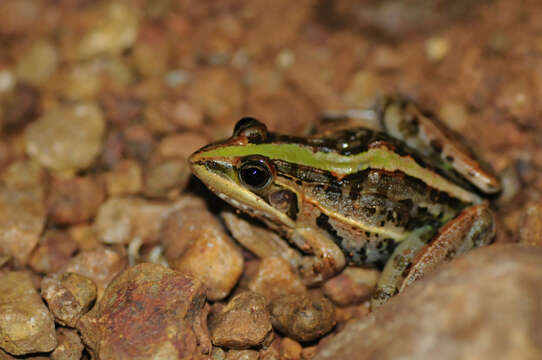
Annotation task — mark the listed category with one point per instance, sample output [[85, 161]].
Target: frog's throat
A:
[[241, 198], [342, 165]]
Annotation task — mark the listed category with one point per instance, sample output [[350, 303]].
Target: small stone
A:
[[211, 257], [66, 139], [55, 249], [26, 325], [345, 315], [100, 265], [242, 355], [37, 63], [186, 115], [181, 145], [7, 81], [69, 296], [530, 225], [151, 53], [436, 48], [70, 346], [303, 317], [157, 117], [18, 16], [352, 286], [120, 220], [182, 227], [22, 218], [147, 312], [121, 109], [126, 178], [244, 322], [80, 82], [113, 30], [23, 174], [20, 107], [271, 352], [363, 90], [308, 353], [217, 93], [458, 312], [455, 115], [275, 278], [290, 349], [84, 236], [75, 200], [166, 178], [218, 354]]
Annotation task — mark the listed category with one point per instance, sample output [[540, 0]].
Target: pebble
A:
[[459, 312], [242, 355], [182, 227], [55, 249], [22, 218], [80, 82], [68, 295], [114, 30], [303, 318], [274, 278], [37, 63], [217, 93], [290, 349], [530, 225], [272, 351], [181, 145], [166, 178], [26, 325], [70, 346], [75, 200], [210, 255], [244, 322], [147, 312], [122, 219], [16, 16], [100, 265], [66, 139], [126, 178], [352, 286], [20, 107]]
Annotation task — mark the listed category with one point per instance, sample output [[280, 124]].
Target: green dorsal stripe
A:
[[376, 158]]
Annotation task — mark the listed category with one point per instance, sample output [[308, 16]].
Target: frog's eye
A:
[[252, 129], [255, 173]]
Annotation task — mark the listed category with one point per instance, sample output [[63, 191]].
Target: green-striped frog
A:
[[405, 195]]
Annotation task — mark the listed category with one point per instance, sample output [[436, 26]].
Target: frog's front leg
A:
[[327, 258], [414, 258]]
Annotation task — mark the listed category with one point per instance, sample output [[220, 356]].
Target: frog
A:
[[390, 187]]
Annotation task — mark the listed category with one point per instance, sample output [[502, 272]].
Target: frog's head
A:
[[241, 170]]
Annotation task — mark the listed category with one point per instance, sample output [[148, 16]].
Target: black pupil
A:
[[254, 176]]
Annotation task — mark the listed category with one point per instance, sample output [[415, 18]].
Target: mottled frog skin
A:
[[404, 195]]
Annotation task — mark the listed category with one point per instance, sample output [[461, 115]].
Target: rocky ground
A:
[[109, 249]]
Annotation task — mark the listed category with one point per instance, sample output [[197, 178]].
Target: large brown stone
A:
[[147, 312], [483, 305]]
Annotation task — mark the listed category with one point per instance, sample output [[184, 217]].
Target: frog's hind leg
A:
[[392, 276], [414, 258], [423, 131], [474, 227]]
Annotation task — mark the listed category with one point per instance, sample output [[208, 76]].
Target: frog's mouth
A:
[[220, 178]]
